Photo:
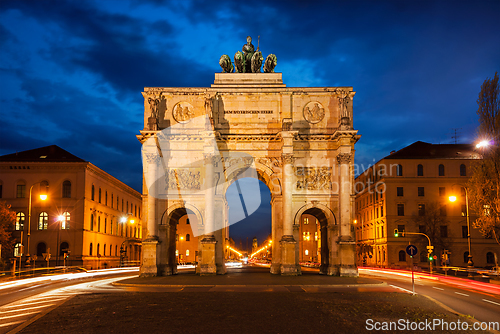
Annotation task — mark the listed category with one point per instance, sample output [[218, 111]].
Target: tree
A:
[[484, 184], [7, 221], [430, 223]]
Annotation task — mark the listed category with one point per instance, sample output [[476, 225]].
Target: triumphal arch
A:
[[299, 141]]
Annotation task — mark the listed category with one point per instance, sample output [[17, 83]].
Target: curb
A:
[[370, 285]]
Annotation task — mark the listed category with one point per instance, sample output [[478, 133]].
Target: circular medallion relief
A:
[[183, 112], [314, 112]]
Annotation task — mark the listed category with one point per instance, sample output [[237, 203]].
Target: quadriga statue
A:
[[248, 61]]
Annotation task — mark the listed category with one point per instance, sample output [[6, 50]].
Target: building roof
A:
[[52, 153], [421, 150]]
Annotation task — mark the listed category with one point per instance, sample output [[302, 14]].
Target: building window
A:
[[43, 220], [465, 232], [90, 249], [441, 170], [122, 204], [92, 193], [66, 190], [98, 249], [420, 191], [17, 249], [381, 211], [463, 170], [444, 231], [187, 221], [21, 191], [401, 209], [490, 258], [98, 227], [187, 252], [20, 218], [442, 191], [106, 198], [422, 229], [99, 195], [399, 191], [442, 211], [420, 170], [105, 224], [127, 209], [381, 232], [306, 252], [104, 250], [466, 257], [402, 256], [111, 228], [65, 222], [399, 170], [306, 221], [421, 209], [188, 237], [117, 202], [116, 250], [110, 249]]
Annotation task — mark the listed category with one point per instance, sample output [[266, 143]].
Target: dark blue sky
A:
[[72, 72]]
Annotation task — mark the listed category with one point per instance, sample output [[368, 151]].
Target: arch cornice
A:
[[181, 205], [326, 210]]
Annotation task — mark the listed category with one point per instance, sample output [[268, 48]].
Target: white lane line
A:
[[18, 315], [31, 287], [489, 301], [462, 294], [397, 287], [437, 288], [25, 309], [10, 323]]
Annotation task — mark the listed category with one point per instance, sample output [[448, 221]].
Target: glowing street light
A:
[[470, 263], [43, 197], [483, 143]]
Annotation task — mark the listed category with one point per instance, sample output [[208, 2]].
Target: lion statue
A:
[[270, 63], [257, 62], [226, 64], [239, 62]]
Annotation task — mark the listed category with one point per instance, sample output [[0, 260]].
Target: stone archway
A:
[[298, 141]]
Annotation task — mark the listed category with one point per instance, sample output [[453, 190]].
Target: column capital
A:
[[287, 158], [344, 158], [152, 158]]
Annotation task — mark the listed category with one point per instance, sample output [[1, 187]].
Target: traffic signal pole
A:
[[430, 248]]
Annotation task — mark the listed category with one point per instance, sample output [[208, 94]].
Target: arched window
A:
[[66, 190], [92, 193], [420, 170], [441, 170], [65, 221], [187, 252], [399, 170], [188, 237], [490, 257], [43, 220], [20, 218], [463, 170], [307, 252], [41, 248], [64, 248], [90, 249], [17, 249], [466, 257], [92, 222], [402, 256]]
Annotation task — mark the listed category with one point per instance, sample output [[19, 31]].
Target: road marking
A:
[[437, 288], [462, 294], [397, 287], [489, 301]]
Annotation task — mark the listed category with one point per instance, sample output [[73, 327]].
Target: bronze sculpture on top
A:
[[248, 61]]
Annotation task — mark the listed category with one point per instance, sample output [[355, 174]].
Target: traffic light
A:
[[396, 233], [66, 255]]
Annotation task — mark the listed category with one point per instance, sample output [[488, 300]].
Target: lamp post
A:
[[124, 220], [470, 263], [43, 197]]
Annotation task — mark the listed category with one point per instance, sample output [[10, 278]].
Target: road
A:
[[465, 298]]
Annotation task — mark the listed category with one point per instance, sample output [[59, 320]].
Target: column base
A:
[[275, 268], [207, 264], [348, 271], [149, 266], [347, 252], [289, 264]]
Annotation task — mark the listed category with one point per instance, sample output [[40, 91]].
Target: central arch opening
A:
[[313, 239], [250, 233]]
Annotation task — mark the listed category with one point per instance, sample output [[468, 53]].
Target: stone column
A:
[[289, 259], [207, 259], [150, 258], [347, 244]]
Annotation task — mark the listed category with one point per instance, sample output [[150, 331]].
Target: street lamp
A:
[[124, 220], [43, 197], [470, 263]]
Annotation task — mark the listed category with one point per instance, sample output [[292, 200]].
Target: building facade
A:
[[88, 218], [409, 190], [310, 242]]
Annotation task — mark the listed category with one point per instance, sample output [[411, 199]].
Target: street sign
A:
[[411, 250]]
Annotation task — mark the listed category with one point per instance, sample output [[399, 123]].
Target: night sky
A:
[[72, 72]]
